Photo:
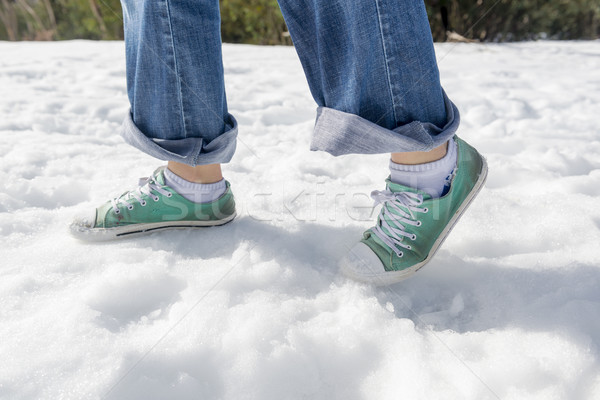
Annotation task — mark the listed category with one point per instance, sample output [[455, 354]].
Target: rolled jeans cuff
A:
[[339, 133], [192, 150]]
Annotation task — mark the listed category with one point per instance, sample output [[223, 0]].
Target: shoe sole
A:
[[122, 232], [390, 277]]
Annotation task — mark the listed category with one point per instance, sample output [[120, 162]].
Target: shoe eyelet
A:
[[426, 210], [169, 194], [414, 237], [118, 211], [155, 198], [130, 207], [400, 254], [409, 247], [419, 223], [143, 203]]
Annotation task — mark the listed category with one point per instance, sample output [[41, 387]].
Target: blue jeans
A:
[[370, 66]]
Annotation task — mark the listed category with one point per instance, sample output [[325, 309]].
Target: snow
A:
[[509, 308]]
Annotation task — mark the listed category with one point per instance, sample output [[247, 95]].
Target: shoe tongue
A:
[[159, 175], [396, 187]]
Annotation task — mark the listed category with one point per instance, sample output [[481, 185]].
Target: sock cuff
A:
[[449, 157], [193, 186]]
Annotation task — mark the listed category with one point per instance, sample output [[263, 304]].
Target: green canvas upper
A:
[[439, 212], [173, 207]]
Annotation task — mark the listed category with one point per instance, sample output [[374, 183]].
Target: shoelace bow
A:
[[146, 186], [398, 211]]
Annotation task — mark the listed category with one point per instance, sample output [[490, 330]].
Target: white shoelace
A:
[[146, 186], [398, 211]]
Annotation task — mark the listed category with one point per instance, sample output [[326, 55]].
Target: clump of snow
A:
[[509, 308]]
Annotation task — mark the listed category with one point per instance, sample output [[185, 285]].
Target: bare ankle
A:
[[420, 157], [209, 173]]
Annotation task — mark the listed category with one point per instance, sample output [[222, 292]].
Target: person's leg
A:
[[371, 69], [175, 82], [179, 114], [210, 173]]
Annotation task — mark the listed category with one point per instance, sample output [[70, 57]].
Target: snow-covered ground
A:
[[509, 308]]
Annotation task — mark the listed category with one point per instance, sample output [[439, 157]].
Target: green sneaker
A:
[[411, 225], [151, 207]]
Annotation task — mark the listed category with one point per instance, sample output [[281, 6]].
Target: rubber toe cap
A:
[[362, 264], [85, 220], [83, 224]]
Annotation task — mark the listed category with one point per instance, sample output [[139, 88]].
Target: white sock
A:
[[428, 177], [196, 192]]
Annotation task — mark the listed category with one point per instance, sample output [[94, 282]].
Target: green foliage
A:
[[260, 21], [60, 19], [20, 19], [506, 20], [252, 21], [85, 19]]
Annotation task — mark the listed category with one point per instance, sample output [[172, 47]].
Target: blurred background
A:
[[260, 21]]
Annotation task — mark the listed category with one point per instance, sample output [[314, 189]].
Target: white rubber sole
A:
[[122, 232], [362, 264]]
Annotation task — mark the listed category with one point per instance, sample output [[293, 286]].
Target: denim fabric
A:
[[337, 133], [175, 81], [370, 66]]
